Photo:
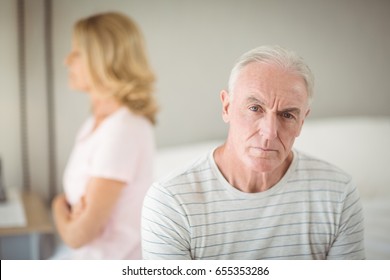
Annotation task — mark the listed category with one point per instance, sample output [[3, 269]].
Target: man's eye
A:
[[287, 115], [254, 108]]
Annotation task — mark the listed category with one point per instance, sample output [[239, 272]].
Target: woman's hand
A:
[[78, 208], [60, 206], [83, 222]]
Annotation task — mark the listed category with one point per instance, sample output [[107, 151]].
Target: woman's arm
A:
[[78, 229]]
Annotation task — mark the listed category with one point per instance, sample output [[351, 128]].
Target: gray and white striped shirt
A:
[[313, 212]]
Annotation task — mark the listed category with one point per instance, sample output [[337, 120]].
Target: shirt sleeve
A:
[[118, 151], [165, 228], [349, 242]]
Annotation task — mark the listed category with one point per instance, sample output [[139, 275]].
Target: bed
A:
[[359, 145]]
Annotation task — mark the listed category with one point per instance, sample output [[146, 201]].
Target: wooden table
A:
[[38, 219]]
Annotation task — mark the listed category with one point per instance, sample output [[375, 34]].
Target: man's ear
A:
[[225, 99]]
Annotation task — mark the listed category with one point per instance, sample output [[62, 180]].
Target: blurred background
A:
[[192, 47]]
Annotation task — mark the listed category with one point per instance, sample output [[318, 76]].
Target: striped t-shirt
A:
[[313, 212]]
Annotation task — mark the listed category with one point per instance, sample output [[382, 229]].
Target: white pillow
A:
[[171, 158], [358, 145]]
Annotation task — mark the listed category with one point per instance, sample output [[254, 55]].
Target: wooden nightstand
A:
[[38, 223]]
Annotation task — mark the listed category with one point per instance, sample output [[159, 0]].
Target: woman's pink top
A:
[[122, 149]]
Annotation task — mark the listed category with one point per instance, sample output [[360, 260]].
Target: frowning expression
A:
[[265, 111]]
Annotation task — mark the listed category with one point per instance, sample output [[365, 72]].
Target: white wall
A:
[[36, 93], [34, 104], [193, 44], [10, 139]]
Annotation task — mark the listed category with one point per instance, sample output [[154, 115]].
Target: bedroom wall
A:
[[193, 44], [10, 137], [192, 47]]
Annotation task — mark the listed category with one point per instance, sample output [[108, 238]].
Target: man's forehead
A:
[[266, 79]]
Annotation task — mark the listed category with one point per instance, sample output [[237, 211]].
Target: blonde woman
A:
[[110, 167]]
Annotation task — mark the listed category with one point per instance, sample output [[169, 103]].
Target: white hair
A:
[[277, 55]]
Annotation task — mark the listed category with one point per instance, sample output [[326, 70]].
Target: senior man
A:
[[255, 197]]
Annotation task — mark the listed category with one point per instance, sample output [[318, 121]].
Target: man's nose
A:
[[269, 127]]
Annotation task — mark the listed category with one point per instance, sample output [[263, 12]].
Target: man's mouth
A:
[[264, 149]]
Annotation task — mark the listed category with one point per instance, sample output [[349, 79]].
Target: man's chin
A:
[[262, 164]]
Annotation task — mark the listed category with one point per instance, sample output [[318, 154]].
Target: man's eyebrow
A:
[[291, 110], [294, 110], [254, 99]]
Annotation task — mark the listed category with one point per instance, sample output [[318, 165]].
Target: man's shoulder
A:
[[318, 168]]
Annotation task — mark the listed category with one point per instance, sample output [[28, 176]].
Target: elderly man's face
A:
[[265, 113]]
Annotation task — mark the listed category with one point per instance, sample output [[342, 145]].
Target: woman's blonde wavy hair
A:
[[114, 49]]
